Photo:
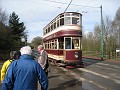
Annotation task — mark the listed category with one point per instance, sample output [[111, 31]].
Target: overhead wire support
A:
[[102, 34], [68, 5]]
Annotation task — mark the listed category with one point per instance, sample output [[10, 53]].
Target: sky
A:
[[36, 14]]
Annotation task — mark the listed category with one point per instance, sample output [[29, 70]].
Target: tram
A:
[[62, 38]]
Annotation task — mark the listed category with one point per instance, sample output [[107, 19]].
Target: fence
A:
[[97, 54]]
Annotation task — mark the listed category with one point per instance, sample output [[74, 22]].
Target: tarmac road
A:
[[96, 76], [59, 79]]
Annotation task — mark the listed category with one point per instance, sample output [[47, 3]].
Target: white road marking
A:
[[79, 78], [97, 74], [115, 66]]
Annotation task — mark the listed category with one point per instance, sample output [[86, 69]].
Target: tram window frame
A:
[[75, 14], [67, 14], [48, 45], [78, 40], [61, 21], [67, 20], [54, 25], [48, 29], [55, 44], [58, 24], [52, 44], [76, 20], [61, 43], [67, 43], [51, 27]]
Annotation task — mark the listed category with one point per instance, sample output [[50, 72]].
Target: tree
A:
[[17, 28], [36, 41], [116, 27]]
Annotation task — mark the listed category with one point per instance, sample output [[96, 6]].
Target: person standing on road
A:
[[24, 73], [43, 59], [13, 56]]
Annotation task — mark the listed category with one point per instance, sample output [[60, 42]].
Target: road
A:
[[95, 75]]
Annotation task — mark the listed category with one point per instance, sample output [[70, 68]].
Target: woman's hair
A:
[[15, 55]]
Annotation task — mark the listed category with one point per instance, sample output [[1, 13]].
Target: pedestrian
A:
[[43, 59], [13, 56], [24, 73]]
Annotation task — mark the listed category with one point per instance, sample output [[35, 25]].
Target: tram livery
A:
[[62, 38]]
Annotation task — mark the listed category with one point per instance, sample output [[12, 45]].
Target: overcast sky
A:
[[37, 13]]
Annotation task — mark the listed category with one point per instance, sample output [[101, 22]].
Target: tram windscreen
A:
[[67, 43], [76, 43]]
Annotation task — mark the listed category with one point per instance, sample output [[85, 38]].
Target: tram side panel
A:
[[68, 57]]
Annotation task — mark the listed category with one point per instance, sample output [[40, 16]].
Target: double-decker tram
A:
[[62, 38]]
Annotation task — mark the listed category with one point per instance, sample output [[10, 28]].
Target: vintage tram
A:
[[62, 38]]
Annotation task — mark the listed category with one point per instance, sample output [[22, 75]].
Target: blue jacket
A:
[[23, 74]]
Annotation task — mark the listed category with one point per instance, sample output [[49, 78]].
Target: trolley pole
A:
[[102, 33], [68, 5]]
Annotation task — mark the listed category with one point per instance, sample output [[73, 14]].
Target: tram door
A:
[[67, 46]]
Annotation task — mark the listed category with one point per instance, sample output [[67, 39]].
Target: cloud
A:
[[38, 13]]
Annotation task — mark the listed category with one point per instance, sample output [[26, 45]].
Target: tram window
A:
[[75, 21], [51, 27], [61, 21], [76, 43], [60, 45], [67, 20], [48, 45], [74, 14], [61, 16], [67, 43], [67, 14], [57, 23], [54, 25], [61, 40], [55, 44], [52, 45], [48, 29]]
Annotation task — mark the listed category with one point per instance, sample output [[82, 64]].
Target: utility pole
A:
[[102, 33]]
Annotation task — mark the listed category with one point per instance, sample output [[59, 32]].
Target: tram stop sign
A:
[[117, 49]]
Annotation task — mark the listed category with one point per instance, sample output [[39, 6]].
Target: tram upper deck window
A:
[[61, 21], [51, 27], [75, 21], [54, 25], [48, 29], [67, 14], [75, 14], [67, 20]]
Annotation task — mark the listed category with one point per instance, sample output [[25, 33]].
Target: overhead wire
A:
[[68, 6], [71, 4]]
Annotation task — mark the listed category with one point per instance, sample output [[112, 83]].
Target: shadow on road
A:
[[53, 76], [67, 84]]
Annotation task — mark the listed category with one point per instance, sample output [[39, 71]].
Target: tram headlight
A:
[[76, 54]]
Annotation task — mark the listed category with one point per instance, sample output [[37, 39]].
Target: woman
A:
[[13, 56]]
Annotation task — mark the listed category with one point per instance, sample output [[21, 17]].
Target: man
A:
[[43, 59], [24, 73]]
